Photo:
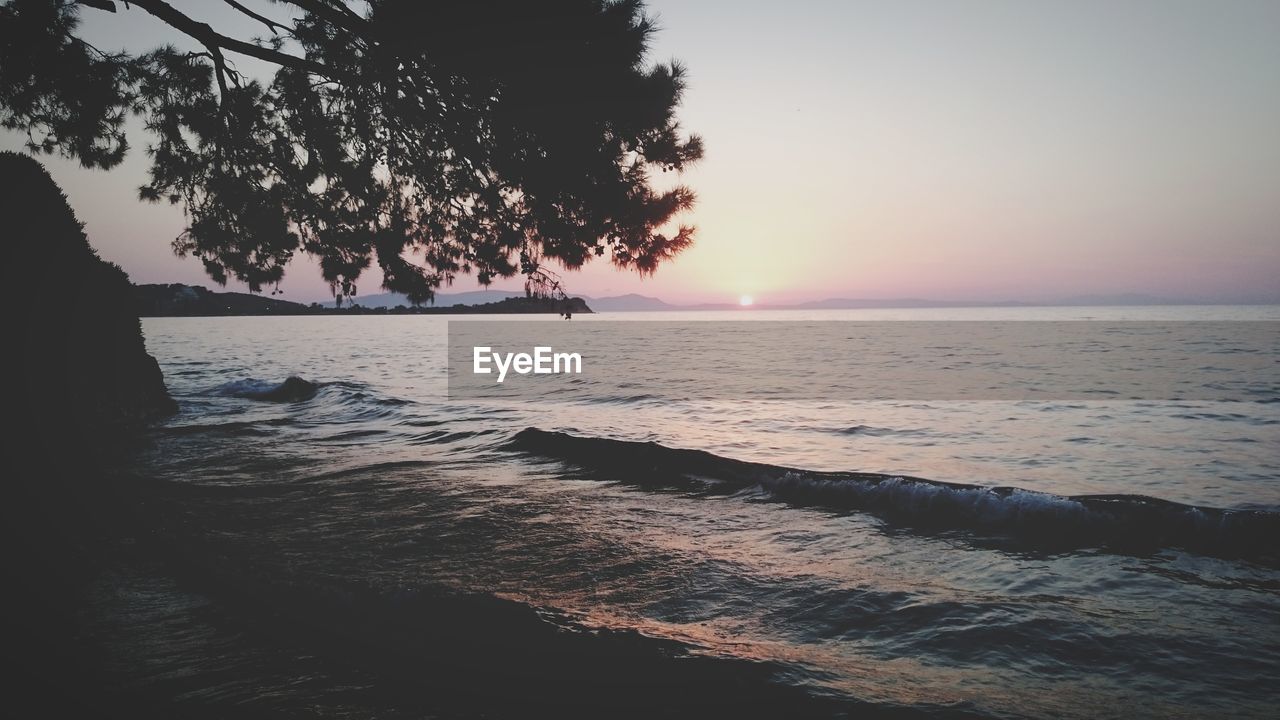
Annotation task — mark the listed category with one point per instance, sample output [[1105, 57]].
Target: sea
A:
[[363, 542]]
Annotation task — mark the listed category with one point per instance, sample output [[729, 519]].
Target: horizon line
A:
[[1084, 300]]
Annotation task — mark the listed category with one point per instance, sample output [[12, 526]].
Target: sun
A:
[[746, 301]]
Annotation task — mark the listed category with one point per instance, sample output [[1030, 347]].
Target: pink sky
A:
[[977, 151]]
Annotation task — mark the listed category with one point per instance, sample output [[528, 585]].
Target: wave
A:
[[1118, 521], [293, 389], [874, 431], [236, 428]]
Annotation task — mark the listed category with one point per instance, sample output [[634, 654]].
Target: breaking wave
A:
[[293, 389], [1116, 521]]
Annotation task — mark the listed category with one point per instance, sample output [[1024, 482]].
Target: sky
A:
[[977, 151]]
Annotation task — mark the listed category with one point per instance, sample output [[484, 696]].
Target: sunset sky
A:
[[946, 150]]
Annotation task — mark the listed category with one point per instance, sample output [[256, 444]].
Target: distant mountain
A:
[[193, 300], [896, 303], [514, 305], [162, 300], [619, 303], [188, 301], [1118, 299], [442, 300], [630, 303]]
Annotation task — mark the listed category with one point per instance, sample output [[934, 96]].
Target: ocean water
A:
[[832, 557]]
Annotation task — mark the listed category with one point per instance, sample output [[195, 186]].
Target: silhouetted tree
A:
[[485, 135]]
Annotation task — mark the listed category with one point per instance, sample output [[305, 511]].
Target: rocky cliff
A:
[[74, 335]]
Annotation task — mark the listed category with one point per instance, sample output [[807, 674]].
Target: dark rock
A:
[[84, 375], [293, 389], [81, 384]]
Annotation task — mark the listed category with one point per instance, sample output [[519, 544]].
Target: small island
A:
[[177, 300]]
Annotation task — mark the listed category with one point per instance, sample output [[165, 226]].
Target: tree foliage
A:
[[433, 138]]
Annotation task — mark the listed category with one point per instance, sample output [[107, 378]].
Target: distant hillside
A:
[[519, 305], [630, 303], [194, 301], [442, 300], [168, 300], [619, 303], [896, 303], [643, 303]]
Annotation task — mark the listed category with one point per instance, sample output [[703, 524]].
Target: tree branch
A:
[[272, 25], [212, 39], [219, 71], [339, 17], [104, 5]]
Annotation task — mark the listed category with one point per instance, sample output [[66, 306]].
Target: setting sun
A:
[[745, 301]]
